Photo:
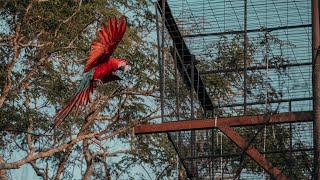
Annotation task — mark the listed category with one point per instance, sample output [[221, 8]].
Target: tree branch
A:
[[3, 173], [62, 162], [37, 170], [43, 154], [114, 153], [123, 129], [16, 52], [89, 160]]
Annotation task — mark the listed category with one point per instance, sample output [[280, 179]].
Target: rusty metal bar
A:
[[253, 153], [288, 117], [316, 85]]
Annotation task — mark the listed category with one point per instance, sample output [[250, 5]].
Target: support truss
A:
[[225, 125]]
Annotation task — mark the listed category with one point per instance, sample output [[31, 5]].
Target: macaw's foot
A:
[[90, 98], [98, 82]]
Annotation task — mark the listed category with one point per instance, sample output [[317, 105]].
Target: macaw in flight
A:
[[100, 67]]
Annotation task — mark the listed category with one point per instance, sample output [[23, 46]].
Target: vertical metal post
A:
[[290, 163], [192, 86], [176, 83], [193, 136], [316, 85], [213, 150], [177, 108], [159, 48], [161, 60], [245, 60]]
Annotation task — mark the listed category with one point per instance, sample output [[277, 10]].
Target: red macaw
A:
[[100, 67]]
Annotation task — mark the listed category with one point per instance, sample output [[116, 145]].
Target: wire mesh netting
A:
[[225, 58]]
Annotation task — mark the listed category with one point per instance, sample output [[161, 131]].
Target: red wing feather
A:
[[123, 27], [105, 34], [108, 41], [101, 37], [111, 28], [114, 27]]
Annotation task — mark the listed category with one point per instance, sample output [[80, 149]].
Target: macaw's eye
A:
[[121, 68]]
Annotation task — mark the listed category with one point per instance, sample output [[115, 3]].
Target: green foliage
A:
[[51, 41]]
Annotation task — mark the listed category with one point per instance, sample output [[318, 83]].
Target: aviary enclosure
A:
[[238, 79]]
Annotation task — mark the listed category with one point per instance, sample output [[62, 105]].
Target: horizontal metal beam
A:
[[252, 68], [263, 29], [263, 102], [282, 151], [288, 117]]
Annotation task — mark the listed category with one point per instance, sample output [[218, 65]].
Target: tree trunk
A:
[[3, 172], [89, 160]]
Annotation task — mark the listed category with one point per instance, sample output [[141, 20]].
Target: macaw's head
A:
[[120, 67]]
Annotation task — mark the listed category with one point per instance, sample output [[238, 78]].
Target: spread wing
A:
[[108, 40]]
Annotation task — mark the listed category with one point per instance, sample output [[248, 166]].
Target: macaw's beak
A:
[[121, 72], [123, 67], [126, 68]]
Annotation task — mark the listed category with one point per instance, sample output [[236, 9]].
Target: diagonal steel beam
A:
[[253, 153], [184, 58], [224, 124]]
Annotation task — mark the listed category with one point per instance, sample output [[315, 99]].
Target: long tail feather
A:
[[77, 101], [80, 99]]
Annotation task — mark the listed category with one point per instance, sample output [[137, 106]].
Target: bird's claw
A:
[[98, 82]]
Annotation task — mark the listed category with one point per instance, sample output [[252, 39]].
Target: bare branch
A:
[[37, 170], [44, 154], [89, 160], [142, 93], [123, 129], [62, 162], [16, 53], [132, 163], [34, 44], [3, 173], [97, 109], [30, 127], [42, 1], [99, 144], [104, 118], [146, 171], [158, 177], [116, 153]]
